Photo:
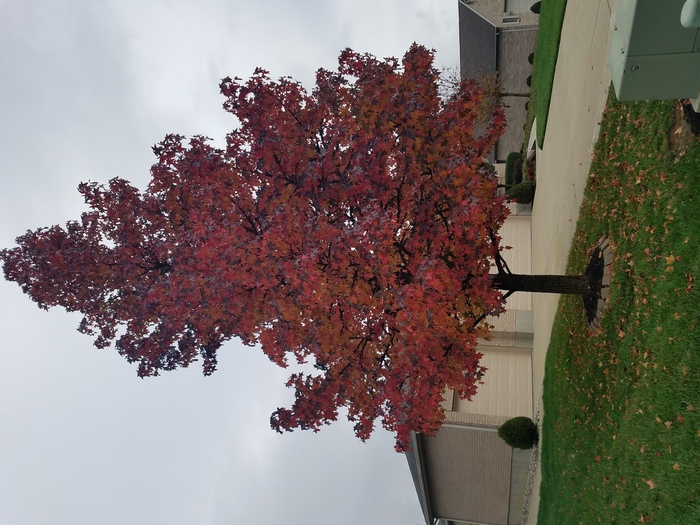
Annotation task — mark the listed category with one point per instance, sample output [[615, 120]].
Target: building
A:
[[497, 37], [466, 473]]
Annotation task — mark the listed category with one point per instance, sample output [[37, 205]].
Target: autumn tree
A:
[[353, 227]]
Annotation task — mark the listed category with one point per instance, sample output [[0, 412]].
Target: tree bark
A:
[[562, 284]]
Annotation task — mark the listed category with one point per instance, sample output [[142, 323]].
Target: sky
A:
[[86, 88]]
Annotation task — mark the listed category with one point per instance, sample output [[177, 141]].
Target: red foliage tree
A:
[[352, 227]]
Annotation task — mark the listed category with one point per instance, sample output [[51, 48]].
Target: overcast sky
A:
[[86, 88]]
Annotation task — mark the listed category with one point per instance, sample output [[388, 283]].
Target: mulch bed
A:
[[598, 272]]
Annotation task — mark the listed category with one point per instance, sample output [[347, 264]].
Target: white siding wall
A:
[[507, 388], [516, 233]]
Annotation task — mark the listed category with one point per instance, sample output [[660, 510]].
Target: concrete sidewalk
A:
[[580, 90]]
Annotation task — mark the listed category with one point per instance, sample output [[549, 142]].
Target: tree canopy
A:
[[352, 227]]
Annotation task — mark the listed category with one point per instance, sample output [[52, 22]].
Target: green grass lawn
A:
[[621, 428], [548, 34]]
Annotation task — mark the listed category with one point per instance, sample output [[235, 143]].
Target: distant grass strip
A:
[[621, 428], [548, 35]]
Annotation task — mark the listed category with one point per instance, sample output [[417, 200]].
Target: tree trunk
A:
[[562, 284]]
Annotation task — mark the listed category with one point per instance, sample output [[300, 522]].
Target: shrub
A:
[[522, 193], [519, 432], [514, 168], [535, 8], [528, 81], [531, 58]]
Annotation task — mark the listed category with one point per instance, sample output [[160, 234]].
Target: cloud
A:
[[88, 86]]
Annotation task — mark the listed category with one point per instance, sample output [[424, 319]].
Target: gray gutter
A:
[[420, 479]]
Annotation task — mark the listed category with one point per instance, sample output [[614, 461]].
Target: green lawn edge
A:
[[621, 425], [550, 23]]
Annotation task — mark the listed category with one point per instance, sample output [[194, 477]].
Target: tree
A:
[[451, 80], [352, 228]]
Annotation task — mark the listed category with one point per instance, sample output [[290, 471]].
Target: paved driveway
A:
[[580, 90]]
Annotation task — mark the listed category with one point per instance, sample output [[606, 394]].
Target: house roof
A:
[[477, 43], [462, 473]]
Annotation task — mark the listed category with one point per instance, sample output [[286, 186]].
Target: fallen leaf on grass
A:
[[651, 484]]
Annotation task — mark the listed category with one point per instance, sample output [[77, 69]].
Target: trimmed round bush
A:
[[528, 81], [519, 432], [535, 8], [522, 193], [531, 58], [514, 168]]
